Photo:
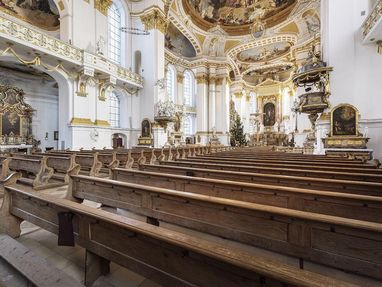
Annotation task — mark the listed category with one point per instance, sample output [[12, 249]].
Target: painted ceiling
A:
[[177, 43], [232, 15], [264, 53], [225, 31], [43, 14], [278, 74]]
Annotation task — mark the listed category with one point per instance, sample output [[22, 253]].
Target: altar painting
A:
[[344, 121], [269, 115]]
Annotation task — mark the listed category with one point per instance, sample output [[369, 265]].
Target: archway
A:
[[119, 140]]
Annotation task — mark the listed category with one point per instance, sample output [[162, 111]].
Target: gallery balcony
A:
[[372, 27], [27, 43]]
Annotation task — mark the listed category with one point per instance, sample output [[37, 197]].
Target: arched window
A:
[[188, 89], [170, 83], [252, 103], [114, 110], [116, 20], [189, 124]]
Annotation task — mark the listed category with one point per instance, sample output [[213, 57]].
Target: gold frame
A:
[[356, 121]]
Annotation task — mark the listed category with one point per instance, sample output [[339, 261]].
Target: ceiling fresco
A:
[[264, 53], [236, 12], [41, 13], [177, 43], [279, 74]]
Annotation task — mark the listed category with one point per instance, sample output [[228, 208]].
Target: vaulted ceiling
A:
[[258, 40]]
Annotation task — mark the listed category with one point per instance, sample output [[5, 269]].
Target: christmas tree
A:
[[237, 132]]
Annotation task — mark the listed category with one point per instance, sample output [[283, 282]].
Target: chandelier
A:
[[134, 31]]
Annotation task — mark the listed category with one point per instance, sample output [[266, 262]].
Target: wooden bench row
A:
[[361, 207], [345, 174], [347, 244], [291, 162], [167, 257], [314, 183]]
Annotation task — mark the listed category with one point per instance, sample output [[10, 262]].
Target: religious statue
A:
[[100, 46]]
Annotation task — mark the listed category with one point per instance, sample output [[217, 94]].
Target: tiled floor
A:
[[71, 259]]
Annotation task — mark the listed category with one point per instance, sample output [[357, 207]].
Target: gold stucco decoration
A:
[[102, 5], [154, 18]]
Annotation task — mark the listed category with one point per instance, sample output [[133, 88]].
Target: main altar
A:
[[15, 120], [267, 130]]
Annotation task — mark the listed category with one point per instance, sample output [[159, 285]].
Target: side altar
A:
[[15, 120], [344, 138]]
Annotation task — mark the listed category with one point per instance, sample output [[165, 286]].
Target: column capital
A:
[[102, 5], [154, 18], [201, 78], [180, 78]]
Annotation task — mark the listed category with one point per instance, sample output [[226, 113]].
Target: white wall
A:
[[357, 68]]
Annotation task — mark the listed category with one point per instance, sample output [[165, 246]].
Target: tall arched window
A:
[[116, 20], [114, 110], [252, 103], [170, 83], [188, 89], [188, 125]]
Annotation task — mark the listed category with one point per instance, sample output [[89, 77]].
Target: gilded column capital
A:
[[154, 18], [103, 5], [201, 79], [219, 81], [180, 78]]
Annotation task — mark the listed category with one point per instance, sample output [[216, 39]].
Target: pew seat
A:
[[295, 233], [349, 186], [167, 257], [368, 208]]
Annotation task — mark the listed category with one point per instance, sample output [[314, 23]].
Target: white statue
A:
[[100, 46]]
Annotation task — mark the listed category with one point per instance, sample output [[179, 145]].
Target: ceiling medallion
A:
[[257, 29]]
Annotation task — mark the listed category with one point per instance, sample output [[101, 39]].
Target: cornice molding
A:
[[102, 5]]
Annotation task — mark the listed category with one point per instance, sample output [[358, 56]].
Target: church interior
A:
[[169, 143]]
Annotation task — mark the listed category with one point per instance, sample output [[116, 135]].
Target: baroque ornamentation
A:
[[40, 41], [154, 18], [102, 5], [373, 18]]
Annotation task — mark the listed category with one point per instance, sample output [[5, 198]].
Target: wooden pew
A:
[[35, 172], [287, 163], [167, 257], [281, 155], [320, 167], [349, 186], [61, 165], [368, 208], [359, 176], [36, 270], [347, 244], [90, 164]]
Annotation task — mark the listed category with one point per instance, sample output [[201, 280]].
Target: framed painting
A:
[[344, 121]]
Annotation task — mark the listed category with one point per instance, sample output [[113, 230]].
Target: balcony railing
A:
[[372, 21], [16, 32]]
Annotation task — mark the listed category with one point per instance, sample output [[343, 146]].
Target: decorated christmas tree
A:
[[237, 132]]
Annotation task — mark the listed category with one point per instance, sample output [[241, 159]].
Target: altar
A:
[[15, 120]]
